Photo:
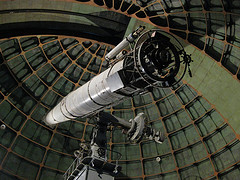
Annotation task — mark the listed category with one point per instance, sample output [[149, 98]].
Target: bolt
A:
[[158, 159], [3, 126]]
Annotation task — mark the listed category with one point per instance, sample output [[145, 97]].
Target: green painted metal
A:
[[37, 71]]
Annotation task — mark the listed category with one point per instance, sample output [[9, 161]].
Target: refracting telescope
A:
[[155, 59]]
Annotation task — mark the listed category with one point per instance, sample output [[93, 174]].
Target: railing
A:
[[72, 167], [79, 160]]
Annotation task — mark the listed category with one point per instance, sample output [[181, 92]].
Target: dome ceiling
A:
[[37, 71]]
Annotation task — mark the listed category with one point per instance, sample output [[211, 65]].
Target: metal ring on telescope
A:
[[156, 58]]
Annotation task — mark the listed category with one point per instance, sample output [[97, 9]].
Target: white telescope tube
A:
[[95, 95], [90, 98]]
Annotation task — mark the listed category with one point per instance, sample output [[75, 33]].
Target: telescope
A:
[[154, 60]]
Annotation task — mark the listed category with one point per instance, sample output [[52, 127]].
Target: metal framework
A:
[[211, 26], [200, 142]]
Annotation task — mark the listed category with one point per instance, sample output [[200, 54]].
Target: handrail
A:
[[72, 167], [79, 160]]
